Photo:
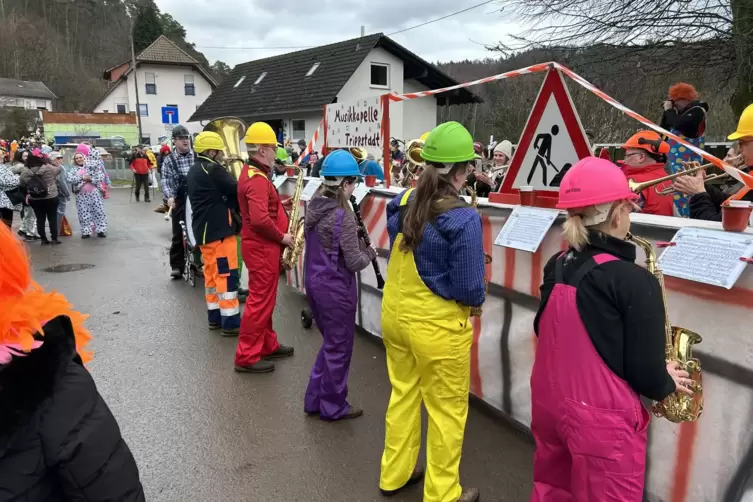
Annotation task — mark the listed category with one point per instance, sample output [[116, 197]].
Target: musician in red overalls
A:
[[263, 238], [601, 340]]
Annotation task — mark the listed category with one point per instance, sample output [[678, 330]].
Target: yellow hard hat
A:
[[208, 140], [745, 126], [424, 136], [260, 133]]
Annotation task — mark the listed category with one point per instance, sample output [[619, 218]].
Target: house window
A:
[[261, 77], [240, 81], [189, 85], [146, 139], [122, 108], [151, 85], [380, 74], [299, 129], [41, 105], [144, 110], [313, 69]]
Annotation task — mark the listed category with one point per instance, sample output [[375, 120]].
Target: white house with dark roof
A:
[[25, 94], [172, 85], [288, 91]]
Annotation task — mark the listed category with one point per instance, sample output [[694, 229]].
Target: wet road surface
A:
[[201, 432]]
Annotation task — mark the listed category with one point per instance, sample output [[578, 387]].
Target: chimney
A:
[[363, 31]]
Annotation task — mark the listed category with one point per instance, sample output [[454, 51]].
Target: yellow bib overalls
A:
[[428, 341]]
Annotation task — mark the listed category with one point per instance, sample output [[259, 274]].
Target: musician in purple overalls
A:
[[334, 253], [601, 341]]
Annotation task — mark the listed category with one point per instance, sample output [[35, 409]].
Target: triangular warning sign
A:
[[553, 140]]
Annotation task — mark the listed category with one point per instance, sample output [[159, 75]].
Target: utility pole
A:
[[135, 82]]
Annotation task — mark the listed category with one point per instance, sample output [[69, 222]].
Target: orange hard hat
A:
[[649, 141]]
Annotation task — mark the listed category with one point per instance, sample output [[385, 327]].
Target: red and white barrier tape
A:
[[744, 178], [312, 143]]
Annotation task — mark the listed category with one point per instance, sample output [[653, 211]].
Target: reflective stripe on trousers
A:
[[589, 425], [221, 282], [428, 343]]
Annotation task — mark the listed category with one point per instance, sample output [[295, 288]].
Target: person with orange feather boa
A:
[[58, 439]]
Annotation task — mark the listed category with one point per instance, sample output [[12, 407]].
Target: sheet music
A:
[[526, 228], [707, 256], [361, 192], [310, 189], [279, 181]]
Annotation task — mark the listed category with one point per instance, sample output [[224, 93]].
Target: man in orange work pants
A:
[[262, 240]]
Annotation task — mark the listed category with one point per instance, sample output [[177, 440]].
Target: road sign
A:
[[553, 140], [170, 115]]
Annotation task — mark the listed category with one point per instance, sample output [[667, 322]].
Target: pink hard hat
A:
[[593, 181], [83, 149]]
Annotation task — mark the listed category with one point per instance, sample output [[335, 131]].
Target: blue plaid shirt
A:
[[174, 171], [450, 257]]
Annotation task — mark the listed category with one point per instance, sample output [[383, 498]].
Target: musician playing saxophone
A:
[[706, 199], [334, 254], [601, 340], [435, 274], [263, 236]]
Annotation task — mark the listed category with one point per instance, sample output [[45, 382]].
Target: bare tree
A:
[[657, 36]]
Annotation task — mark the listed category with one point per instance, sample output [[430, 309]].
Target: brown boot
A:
[[469, 495], [418, 475]]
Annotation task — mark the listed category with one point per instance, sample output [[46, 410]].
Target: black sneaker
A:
[[176, 273], [354, 412], [469, 495], [260, 367], [281, 353], [86, 236], [147, 200], [231, 332], [45, 242], [101, 234], [418, 475], [23, 234], [56, 242], [215, 327]]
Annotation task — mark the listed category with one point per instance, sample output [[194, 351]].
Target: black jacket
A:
[[622, 309], [691, 122], [58, 440], [708, 205], [213, 193]]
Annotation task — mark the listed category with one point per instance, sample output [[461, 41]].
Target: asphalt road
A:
[[201, 432]]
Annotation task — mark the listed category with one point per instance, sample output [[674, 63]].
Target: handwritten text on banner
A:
[[355, 124]]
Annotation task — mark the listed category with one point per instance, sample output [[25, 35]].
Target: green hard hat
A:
[[282, 155], [449, 143]]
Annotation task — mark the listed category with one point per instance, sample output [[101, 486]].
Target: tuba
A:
[[414, 162], [295, 226], [231, 130], [360, 154], [476, 311], [679, 343]]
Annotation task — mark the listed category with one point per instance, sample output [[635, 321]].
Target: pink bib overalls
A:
[[589, 425]]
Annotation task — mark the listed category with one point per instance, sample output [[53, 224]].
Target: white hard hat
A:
[[504, 147]]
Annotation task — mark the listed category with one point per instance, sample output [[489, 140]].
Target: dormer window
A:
[[313, 69], [239, 82], [261, 77]]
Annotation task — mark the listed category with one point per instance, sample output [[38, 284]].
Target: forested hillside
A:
[[67, 44]]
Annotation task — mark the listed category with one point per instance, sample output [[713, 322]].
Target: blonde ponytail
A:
[[575, 232]]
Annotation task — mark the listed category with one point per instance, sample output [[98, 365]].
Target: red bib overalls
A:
[[589, 425]]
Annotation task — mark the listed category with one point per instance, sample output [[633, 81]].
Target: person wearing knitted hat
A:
[[58, 438], [684, 116], [435, 275], [601, 334]]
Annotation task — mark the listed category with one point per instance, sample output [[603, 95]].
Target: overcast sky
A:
[[286, 23]]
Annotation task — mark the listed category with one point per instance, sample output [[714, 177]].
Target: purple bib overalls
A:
[[589, 425], [331, 293]]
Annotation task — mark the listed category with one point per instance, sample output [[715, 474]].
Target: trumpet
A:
[[693, 167]]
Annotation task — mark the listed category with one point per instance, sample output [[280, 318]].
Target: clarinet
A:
[[365, 235]]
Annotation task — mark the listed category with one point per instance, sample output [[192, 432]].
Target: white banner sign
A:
[[355, 124]]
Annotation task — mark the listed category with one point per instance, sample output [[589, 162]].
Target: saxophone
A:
[[676, 407], [295, 226], [476, 311]]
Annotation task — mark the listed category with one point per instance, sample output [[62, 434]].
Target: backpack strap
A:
[[589, 265]]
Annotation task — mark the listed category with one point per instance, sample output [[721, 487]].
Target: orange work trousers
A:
[[221, 283]]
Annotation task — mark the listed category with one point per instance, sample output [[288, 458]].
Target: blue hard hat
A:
[[340, 163]]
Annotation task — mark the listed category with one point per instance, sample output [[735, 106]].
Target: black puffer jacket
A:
[[58, 440]]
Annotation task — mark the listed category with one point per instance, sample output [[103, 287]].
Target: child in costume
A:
[[58, 439]]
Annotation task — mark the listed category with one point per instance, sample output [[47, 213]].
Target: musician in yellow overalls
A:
[[435, 274]]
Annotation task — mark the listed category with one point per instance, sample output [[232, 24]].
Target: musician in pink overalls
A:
[[601, 339]]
